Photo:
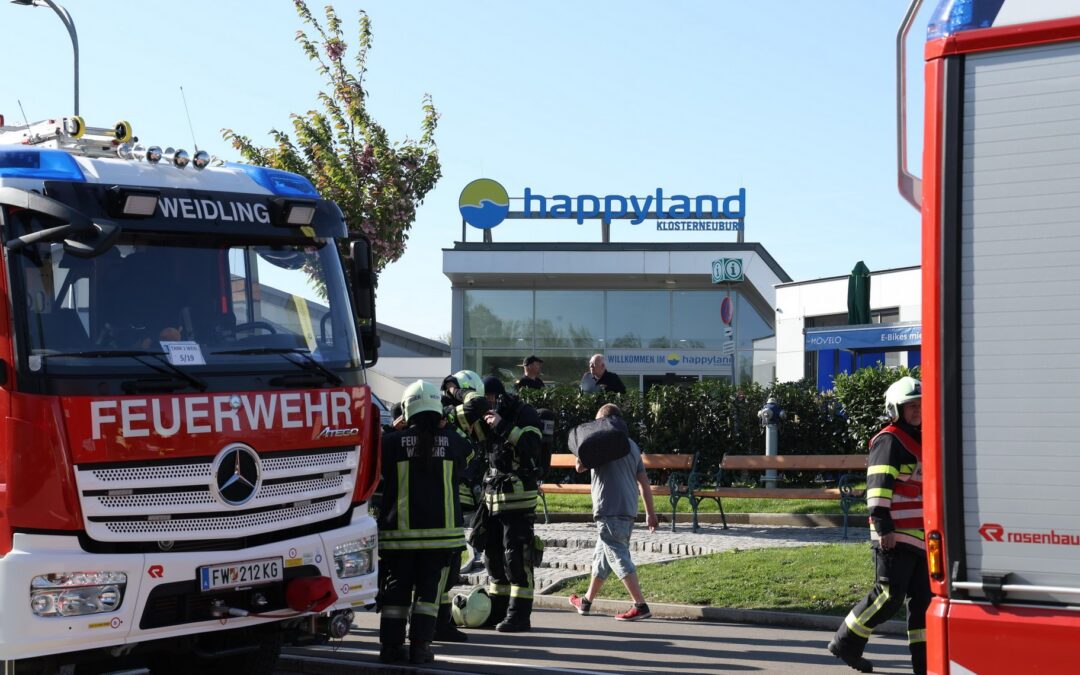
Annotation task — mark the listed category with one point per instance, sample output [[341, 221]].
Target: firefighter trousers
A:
[[902, 577], [445, 619], [410, 594], [508, 557]]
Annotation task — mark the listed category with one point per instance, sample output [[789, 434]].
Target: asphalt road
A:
[[563, 642]]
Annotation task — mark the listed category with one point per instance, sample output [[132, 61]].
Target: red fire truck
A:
[[187, 444], [1001, 333]]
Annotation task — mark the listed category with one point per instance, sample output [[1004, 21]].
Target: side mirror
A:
[[363, 284]]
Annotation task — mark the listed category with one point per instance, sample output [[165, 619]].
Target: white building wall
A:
[[797, 300]]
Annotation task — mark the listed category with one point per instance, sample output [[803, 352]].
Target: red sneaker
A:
[[635, 613], [582, 605]]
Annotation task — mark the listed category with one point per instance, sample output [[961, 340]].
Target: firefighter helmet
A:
[[421, 397], [904, 390], [468, 380], [472, 610]]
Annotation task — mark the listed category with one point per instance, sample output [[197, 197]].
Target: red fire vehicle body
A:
[[1001, 352], [187, 442]]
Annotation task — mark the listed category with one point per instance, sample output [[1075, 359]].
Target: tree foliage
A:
[[863, 395], [344, 152]]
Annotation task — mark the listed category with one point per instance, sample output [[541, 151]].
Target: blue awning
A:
[[876, 337]]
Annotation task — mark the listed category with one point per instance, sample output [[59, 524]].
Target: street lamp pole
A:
[[70, 25]]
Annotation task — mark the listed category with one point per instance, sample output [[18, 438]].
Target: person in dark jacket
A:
[[894, 497], [599, 378], [420, 525], [510, 494], [531, 378]]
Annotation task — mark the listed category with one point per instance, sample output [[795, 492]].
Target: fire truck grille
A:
[[183, 500], [225, 523]]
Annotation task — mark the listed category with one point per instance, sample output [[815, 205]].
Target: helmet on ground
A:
[[472, 610], [904, 390], [468, 380], [421, 397]]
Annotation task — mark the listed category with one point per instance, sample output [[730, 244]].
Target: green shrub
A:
[[714, 418], [862, 395]]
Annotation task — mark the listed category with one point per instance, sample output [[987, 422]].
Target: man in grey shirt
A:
[[615, 505]]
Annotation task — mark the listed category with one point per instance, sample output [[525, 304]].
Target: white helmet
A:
[[421, 397], [472, 610], [468, 380], [904, 390]]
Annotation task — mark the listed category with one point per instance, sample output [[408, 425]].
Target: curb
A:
[[758, 617]]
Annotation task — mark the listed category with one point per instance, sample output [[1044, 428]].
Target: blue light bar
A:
[[955, 16], [279, 182], [19, 161]]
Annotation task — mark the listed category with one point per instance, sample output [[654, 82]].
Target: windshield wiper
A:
[[170, 369], [309, 364]]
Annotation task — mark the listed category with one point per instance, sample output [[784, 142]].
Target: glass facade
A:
[[566, 327]]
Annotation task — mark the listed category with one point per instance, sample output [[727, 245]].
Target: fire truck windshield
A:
[[211, 307]]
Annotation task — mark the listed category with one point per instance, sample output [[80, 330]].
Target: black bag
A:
[[598, 442], [547, 438]]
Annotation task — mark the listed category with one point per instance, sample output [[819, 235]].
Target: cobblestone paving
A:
[[569, 546]]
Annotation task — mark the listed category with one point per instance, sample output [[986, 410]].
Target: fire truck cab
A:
[[187, 443]]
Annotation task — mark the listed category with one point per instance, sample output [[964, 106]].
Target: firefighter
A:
[[894, 497], [459, 390], [420, 527], [510, 549]]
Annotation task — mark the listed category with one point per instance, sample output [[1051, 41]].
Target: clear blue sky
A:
[[791, 100]]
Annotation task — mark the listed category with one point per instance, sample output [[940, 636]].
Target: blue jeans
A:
[[612, 553]]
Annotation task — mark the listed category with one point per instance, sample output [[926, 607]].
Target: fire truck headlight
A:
[[201, 159], [153, 154], [77, 593], [355, 558]]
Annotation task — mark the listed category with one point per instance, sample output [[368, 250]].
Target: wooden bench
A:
[[700, 485], [652, 461]]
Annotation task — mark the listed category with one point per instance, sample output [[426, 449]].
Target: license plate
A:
[[237, 574]]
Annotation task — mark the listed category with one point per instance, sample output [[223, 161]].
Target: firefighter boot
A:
[[849, 656], [918, 658], [393, 653], [517, 616], [499, 604], [445, 630], [420, 652]]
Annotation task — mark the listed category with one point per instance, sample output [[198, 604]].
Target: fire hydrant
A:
[[771, 415]]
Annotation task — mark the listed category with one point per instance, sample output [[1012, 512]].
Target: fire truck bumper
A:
[[49, 586]]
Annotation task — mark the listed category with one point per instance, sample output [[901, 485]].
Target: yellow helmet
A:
[[904, 390], [421, 397]]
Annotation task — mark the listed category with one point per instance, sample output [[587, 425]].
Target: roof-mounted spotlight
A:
[[125, 151], [201, 159], [293, 212], [178, 158], [153, 154], [129, 202]]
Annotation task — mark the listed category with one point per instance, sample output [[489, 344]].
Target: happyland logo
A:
[[484, 203]]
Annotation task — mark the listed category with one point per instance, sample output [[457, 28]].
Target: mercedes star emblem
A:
[[237, 474]]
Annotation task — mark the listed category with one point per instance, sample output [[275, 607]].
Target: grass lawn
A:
[[583, 504], [824, 579]]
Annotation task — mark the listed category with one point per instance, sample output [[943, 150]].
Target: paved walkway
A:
[[569, 546]]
